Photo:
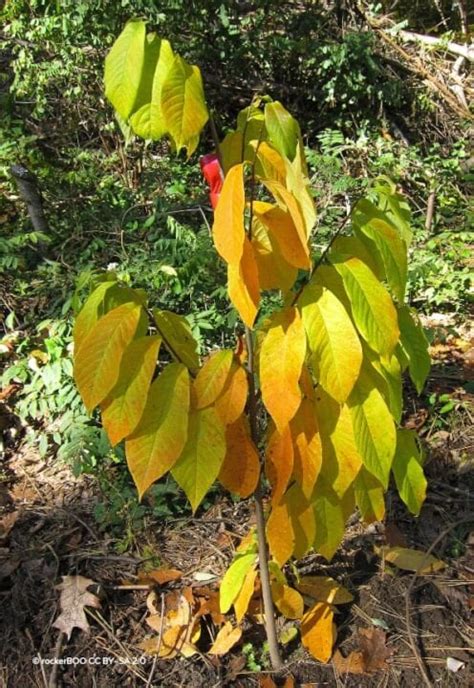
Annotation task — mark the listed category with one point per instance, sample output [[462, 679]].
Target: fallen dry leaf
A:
[[74, 598], [372, 655], [7, 522], [266, 682], [324, 589], [411, 559], [225, 639], [161, 576]]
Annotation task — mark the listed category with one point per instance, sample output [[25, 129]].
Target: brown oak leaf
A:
[[74, 598]]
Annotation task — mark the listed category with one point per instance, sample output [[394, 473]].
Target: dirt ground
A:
[[47, 530]]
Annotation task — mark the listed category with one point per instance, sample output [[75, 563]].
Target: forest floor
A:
[[408, 621]]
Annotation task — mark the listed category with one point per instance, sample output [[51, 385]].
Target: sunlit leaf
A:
[[407, 469], [241, 468], [369, 494], [242, 601], [317, 631], [124, 67], [279, 457], [244, 286], [415, 346], [177, 337], [225, 639], [324, 589], [411, 559], [283, 129], [228, 230], [212, 377], [282, 228], [287, 600], [234, 578], [280, 534], [231, 403], [307, 447]]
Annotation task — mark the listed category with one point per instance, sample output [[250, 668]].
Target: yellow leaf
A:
[[411, 559], [274, 272], [341, 458], [303, 523], [233, 580], [97, 363], [177, 337], [287, 224], [124, 406], [332, 339], [317, 631], [202, 457], [242, 600], [330, 519], [243, 284], [241, 468], [280, 534], [160, 436], [281, 360], [231, 150], [228, 230], [369, 495], [231, 403], [298, 184], [212, 377], [307, 447], [287, 600], [272, 165], [279, 462], [324, 589], [225, 639]]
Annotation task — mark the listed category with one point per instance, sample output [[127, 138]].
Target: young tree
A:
[[309, 405]]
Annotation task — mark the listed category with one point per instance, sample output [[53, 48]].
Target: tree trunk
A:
[[27, 186]]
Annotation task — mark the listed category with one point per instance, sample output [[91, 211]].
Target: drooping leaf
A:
[[233, 580], [287, 600], [289, 204], [282, 228], [124, 67], [324, 589], [408, 471], [242, 601], [241, 468], [415, 346], [231, 403], [225, 640], [183, 104], [411, 559], [274, 272], [202, 457], [302, 518], [97, 363], [307, 447], [369, 494], [372, 308], [281, 360], [244, 286], [332, 339], [280, 534], [283, 129], [123, 408], [148, 119], [270, 164], [279, 457], [298, 184], [228, 230], [161, 435], [90, 313], [177, 337], [317, 631], [212, 377], [329, 518], [353, 247], [231, 149], [374, 428], [389, 381]]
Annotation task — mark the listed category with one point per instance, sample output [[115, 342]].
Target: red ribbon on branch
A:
[[212, 172]]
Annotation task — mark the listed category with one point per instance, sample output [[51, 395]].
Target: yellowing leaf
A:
[[274, 272], [231, 150], [282, 228], [336, 349], [242, 601], [243, 284], [160, 436], [124, 66], [297, 183], [288, 203], [409, 477], [225, 639], [287, 600], [393, 252], [97, 363], [280, 533], [330, 520], [183, 104], [283, 129], [369, 495], [302, 519], [241, 468], [279, 462], [307, 447], [272, 165], [411, 559], [228, 230], [212, 377], [90, 313], [317, 631], [231, 403], [202, 457], [341, 459], [353, 247], [415, 347], [374, 428], [324, 589], [281, 360], [372, 308], [123, 408], [177, 337], [233, 580]]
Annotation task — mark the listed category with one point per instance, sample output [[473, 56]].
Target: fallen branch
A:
[[459, 49]]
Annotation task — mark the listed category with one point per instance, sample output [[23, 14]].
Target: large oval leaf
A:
[[212, 377], [228, 230], [124, 67], [244, 285], [241, 468]]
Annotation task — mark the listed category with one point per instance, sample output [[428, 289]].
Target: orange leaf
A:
[[231, 403], [212, 377], [274, 271], [281, 360], [243, 284], [241, 468], [163, 576], [279, 462], [287, 600], [282, 228], [228, 230], [324, 589], [317, 631], [225, 639], [302, 518], [288, 202], [280, 534], [307, 447], [371, 657], [242, 600]]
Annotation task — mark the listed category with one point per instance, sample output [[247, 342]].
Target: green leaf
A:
[[408, 472], [124, 67], [369, 495], [329, 518], [394, 207], [374, 428], [372, 308], [183, 104], [233, 580], [97, 363], [177, 337], [202, 457], [161, 434], [415, 347], [283, 129], [90, 313], [148, 119], [336, 349], [124, 406], [353, 247]]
